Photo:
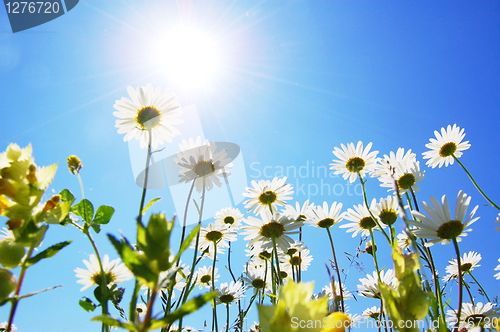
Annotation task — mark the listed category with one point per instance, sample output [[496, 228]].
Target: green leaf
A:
[[67, 196], [96, 228], [187, 308], [49, 252], [103, 214], [108, 320], [136, 262], [87, 304], [150, 204], [58, 214], [84, 209]]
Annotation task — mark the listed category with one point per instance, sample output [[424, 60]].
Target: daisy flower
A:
[[468, 262], [497, 276], [299, 213], [387, 210], [257, 277], [177, 274], [401, 169], [259, 254], [333, 296], [141, 309], [354, 160], [369, 285], [230, 293], [255, 327], [268, 227], [445, 146], [267, 195], [373, 312], [404, 241], [498, 222], [296, 257], [204, 165], [325, 216], [474, 315], [6, 233], [3, 327], [204, 277], [115, 272], [362, 222], [150, 112], [218, 234], [440, 227], [231, 217]]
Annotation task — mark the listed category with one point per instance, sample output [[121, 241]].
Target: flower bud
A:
[[11, 253], [7, 284]]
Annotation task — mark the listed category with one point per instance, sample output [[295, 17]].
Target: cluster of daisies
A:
[[274, 230]]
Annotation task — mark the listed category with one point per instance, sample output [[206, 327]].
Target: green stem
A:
[[460, 283], [214, 310], [146, 175], [275, 251], [15, 300], [365, 199], [475, 183], [480, 287], [337, 269], [227, 317]]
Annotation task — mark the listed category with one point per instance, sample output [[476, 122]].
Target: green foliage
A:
[[87, 304], [408, 302], [294, 305], [49, 252]]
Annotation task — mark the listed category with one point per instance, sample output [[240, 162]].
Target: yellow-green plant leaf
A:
[[44, 176], [150, 204], [47, 253]]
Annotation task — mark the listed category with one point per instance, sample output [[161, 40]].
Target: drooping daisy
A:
[[387, 210], [354, 160], [149, 111], [299, 213], [373, 312], [267, 195], [230, 293], [204, 165], [401, 169], [215, 234], [445, 146], [333, 296], [204, 277], [141, 309], [440, 227], [497, 276], [369, 285], [270, 226], [468, 262], [362, 222], [474, 315], [325, 216], [231, 217], [115, 272]]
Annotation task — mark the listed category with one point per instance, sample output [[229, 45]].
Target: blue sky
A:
[[295, 79]]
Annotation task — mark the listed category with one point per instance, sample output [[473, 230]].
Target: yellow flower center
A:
[[226, 298], [388, 217], [447, 149], [367, 223], [229, 220], [206, 279], [148, 117], [258, 283], [272, 230], [406, 181], [203, 168], [268, 197], [355, 164], [97, 278], [325, 223], [450, 230], [213, 236]]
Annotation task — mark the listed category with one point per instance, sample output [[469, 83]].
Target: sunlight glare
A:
[[188, 56]]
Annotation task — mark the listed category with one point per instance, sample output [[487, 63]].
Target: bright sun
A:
[[188, 56]]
